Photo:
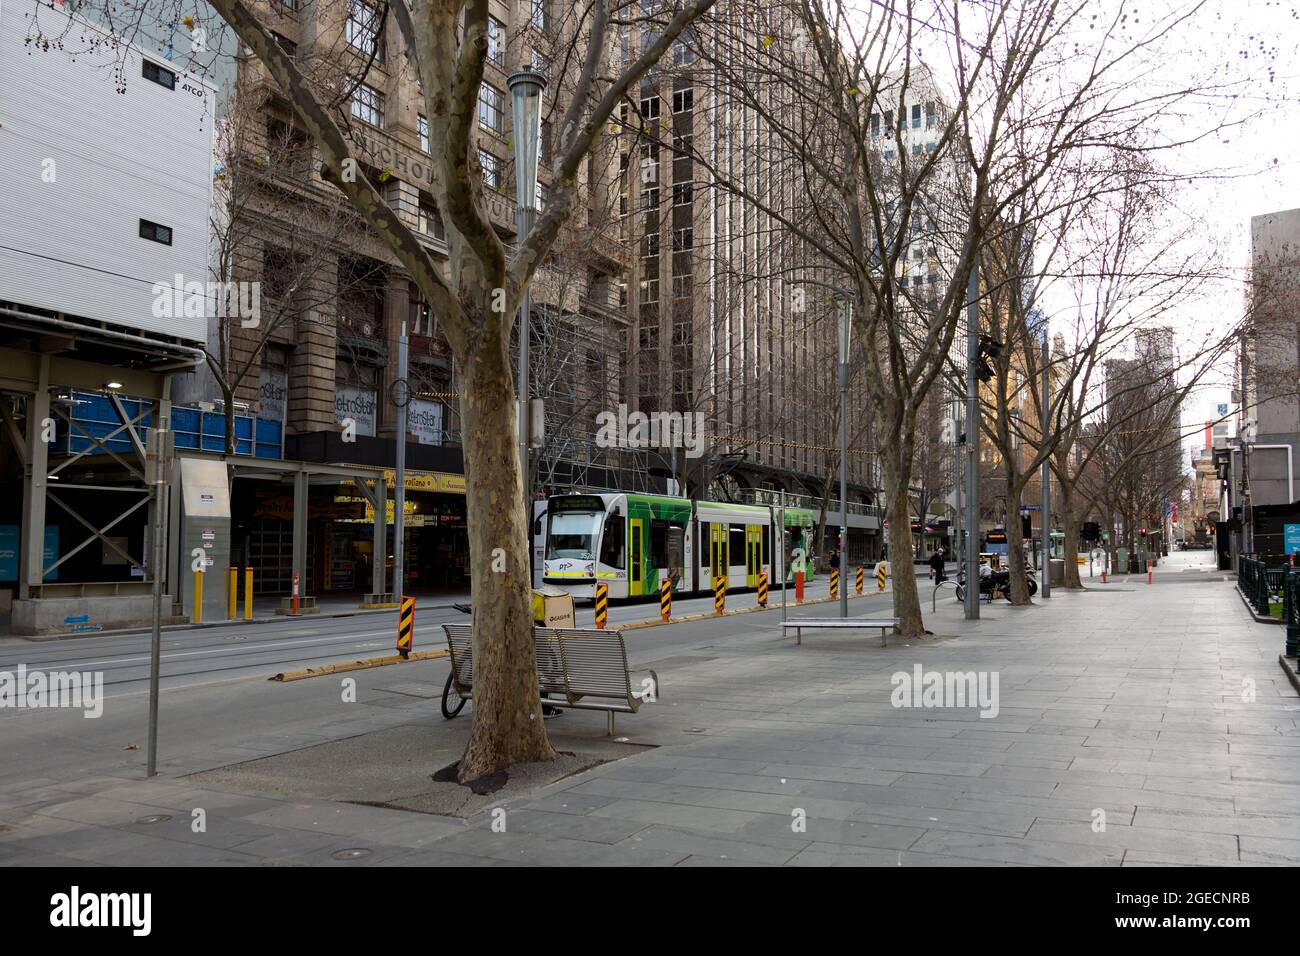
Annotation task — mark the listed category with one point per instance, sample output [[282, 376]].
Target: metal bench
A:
[[578, 668], [799, 624]]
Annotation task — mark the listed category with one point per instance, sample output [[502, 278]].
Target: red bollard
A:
[[295, 592], [798, 587], [1148, 572]]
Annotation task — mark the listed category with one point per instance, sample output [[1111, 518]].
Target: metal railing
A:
[[1252, 578], [1291, 612], [764, 496]]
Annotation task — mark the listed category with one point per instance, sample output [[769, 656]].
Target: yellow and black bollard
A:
[[406, 626], [602, 604], [232, 595], [762, 589], [835, 583], [197, 616], [862, 574], [880, 576], [720, 595], [666, 598]]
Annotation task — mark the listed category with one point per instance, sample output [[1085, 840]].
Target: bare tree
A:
[[1008, 92]]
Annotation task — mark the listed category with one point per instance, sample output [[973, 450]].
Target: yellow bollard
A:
[[248, 594], [197, 616], [602, 604], [232, 595]]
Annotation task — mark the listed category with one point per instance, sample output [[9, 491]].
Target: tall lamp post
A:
[[846, 320], [1045, 475], [972, 606], [843, 332], [526, 87]]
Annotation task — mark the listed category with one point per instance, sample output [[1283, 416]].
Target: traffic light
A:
[[989, 348], [1026, 527], [1091, 531]]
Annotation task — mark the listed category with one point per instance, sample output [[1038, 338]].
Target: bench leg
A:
[[610, 715], [882, 637], [798, 635]]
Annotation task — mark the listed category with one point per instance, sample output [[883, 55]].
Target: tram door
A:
[[753, 554], [718, 549], [634, 586]]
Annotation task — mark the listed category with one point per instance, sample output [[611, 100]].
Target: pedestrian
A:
[[937, 561]]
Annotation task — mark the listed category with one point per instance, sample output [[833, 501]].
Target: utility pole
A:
[[846, 320], [402, 395], [1045, 474], [157, 461], [972, 445]]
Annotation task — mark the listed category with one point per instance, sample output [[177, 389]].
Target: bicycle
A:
[[448, 710]]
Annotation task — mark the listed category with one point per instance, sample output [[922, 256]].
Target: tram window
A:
[[704, 545], [737, 544], [767, 543], [659, 541], [614, 542]]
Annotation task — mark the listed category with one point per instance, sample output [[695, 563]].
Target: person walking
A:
[[937, 562]]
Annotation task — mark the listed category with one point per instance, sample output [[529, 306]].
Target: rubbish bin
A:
[[1056, 571]]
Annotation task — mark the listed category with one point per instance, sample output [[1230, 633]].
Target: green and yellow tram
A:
[[631, 542]]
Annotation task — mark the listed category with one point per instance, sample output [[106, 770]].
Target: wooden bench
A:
[[578, 668], [799, 624]]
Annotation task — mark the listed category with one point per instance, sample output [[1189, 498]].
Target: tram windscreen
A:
[[573, 536]]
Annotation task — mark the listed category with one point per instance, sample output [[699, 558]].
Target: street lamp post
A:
[[843, 334], [526, 87], [1045, 479], [846, 319], [972, 610]]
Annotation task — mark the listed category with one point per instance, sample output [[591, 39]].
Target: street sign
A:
[[1291, 538]]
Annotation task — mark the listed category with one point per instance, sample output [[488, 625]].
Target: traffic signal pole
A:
[[1045, 475], [972, 608]]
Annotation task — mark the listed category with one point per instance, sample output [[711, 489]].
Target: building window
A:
[[649, 291], [683, 194], [683, 239], [538, 62], [650, 198], [362, 28], [875, 124], [155, 233], [916, 116], [491, 108], [159, 75], [491, 169], [368, 105], [538, 14], [682, 53], [929, 115], [622, 295], [430, 221], [423, 124], [684, 100], [650, 107], [650, 244], [496, 37], [889, 119]]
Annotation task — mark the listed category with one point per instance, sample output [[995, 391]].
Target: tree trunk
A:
[[1070, 544], [907, 602], [508, 727], [228, 396], [1015, 548]]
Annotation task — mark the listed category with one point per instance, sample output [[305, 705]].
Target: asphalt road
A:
[[232, 651]]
